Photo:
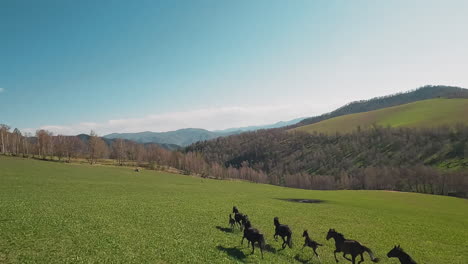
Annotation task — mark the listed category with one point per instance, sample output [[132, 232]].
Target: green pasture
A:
[[52, 212]]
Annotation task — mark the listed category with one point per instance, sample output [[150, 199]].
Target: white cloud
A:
[[210, 118]]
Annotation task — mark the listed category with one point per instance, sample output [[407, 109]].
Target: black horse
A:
[[239, 218], [283, 231], [349, 247], [253, 236], [310, 243], [397, 252]]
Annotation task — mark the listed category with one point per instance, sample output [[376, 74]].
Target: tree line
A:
[[47, 146], [404, 159]]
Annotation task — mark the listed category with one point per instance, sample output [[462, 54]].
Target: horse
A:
[[310, 243], [349, 247], [241, 219], [283, 231], [398, 252], [253, 236], [232, 222]]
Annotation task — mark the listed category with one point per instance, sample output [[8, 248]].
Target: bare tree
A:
[[4, 136], [97, 148]]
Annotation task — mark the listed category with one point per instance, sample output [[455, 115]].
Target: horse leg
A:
[[284, 243], [362, 259], [261, 249], [334, 253], [315, 252], [253, 246], [354, 259], [344, 256]]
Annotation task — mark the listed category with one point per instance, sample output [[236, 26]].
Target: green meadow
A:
[[420, 114], [52, 212]]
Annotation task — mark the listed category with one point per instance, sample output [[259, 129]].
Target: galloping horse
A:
[[397, 252], [253, 235], [349, 247], [283, 231], [310, 243]]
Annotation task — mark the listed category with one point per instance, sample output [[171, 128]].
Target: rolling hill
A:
[[420, 114], [422, 93]]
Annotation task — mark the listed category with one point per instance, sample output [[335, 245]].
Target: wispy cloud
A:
[[210, 118], [2, 90]]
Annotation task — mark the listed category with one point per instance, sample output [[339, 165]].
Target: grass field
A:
[[65, 213], [427, 113]]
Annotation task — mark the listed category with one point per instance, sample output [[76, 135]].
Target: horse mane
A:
[[340, 235]]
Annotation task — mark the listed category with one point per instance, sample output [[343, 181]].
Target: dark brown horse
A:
[[284, 232], [253, 236], [351, 247], [310, 243], [397, 252], [239, 218]]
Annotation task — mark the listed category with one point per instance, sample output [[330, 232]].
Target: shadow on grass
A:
[[233, 252], [300, 259], [302, 200], [310, 260], [270, 249], [224, 229]]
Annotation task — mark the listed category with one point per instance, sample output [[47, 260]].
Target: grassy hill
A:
[[427, 113], [60, 213], [423, 93]]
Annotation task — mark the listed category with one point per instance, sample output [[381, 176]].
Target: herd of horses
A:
[[342, 245]]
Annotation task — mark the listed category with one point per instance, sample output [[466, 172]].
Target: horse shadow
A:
[[301, 260], [225, 229], [270, 248], [233, 252], [311, 260]]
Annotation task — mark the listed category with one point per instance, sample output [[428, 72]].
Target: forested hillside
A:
[[423, 93], [423, 160]]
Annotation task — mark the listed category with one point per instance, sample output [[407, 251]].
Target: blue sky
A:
[[128, 66]]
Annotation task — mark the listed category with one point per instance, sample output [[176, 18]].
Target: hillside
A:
[[421, 114], [61, 213], [187, 136], [423, 93]]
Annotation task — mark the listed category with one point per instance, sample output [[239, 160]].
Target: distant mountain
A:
[[181, 137], [423, 93], [188, 136], [253, 128], [109, 141]]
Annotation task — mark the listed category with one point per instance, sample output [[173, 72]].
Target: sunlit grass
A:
[[60, 213]]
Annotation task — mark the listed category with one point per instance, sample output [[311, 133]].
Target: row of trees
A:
[[417, 160], [47, 146]]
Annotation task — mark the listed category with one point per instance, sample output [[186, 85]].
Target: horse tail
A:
[[261, 241], [289, 240], [373, 258]]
